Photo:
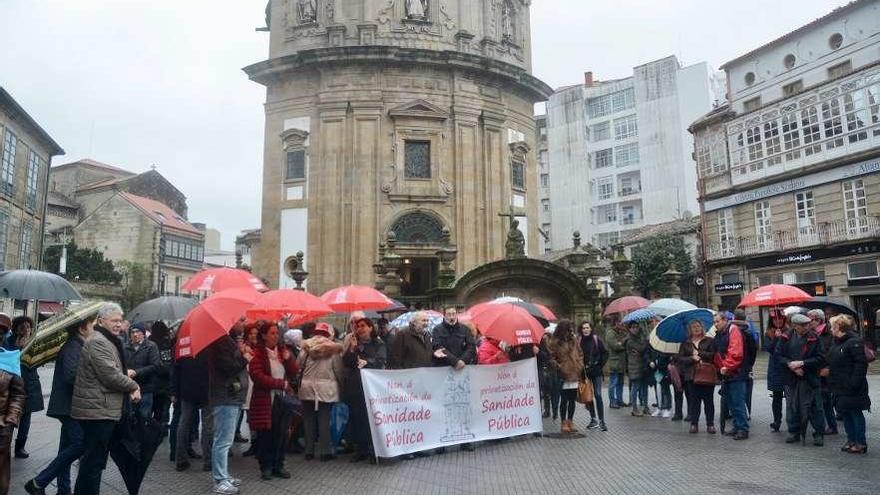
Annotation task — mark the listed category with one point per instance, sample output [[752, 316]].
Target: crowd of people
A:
[[288, 384]]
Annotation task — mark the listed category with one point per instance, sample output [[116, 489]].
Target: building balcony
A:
[[836, 232], [628, 191]]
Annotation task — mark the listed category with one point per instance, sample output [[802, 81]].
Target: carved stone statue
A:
[[516, 241], [508, 31], [417, 9], [307, 11]]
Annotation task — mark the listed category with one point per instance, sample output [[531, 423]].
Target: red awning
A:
[[50, 308]]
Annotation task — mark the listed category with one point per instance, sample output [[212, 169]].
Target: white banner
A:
[[425, 408]]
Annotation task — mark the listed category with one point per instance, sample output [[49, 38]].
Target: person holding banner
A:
[[492, 351], [363, 350], [454, 346], [412, 348], [567, 359]]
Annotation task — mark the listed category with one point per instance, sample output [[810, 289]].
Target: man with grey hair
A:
[[99, 394], [820, 327], [412, 348]]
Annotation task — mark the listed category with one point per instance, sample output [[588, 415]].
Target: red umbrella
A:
[[507, 322], [300, 305], [548, 314], [626, 304], [774, 295], [212, 319], [220, 279], [356, 298]]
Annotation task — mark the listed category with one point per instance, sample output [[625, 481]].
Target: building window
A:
[[856, 116], [545, 205], [763, 228], [545, 227], [874, 106], [755, 148], [752, 105], [605, 187], [861, 270], [418, 228], [518, 173], [793, 88], [626, 127], [627, 154], [791, 138], [772, 143], [725, 232], [855, 205], [599, 106], [833, 123], [626, 187], [604, 158], [730, 277], [628, 215], [417, 159], [835, 41], [545, 180], [25, 245], [606, 240], [296, 165], [771, 278], [810, 277], [839, 70], [4, 228], [600, 131], [7, 167], [750, 78], [789, 61], [607, 214], [623, 100], [33, 177], [608, 104], [811, 130]]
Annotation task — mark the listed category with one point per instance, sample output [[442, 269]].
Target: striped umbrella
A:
[[403, 321], [52, 333], [643, 314]]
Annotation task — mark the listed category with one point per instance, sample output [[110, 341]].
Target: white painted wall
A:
[[569, 171], [294, 237]]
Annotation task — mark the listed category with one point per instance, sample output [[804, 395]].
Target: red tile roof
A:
[[160, 213]]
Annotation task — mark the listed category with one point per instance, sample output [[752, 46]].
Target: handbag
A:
[[705, 374], [585, 390], [870, 354]]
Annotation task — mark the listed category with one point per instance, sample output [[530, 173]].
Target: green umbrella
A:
[[52, 333]]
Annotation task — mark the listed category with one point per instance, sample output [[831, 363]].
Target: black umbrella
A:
[[822, 302], [134, 443], [36, 285], [167, 308]]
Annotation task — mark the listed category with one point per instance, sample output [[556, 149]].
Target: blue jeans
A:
[[638, 393], [736, 402], [145, 406], [615, 389], [70, 448], [225, 419], [854, 424]]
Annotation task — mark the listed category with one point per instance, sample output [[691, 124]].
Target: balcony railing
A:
[[628, 191], [851, 229]]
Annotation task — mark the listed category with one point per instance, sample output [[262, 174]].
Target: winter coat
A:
[[411, 349], [731, 353], [188, 378], [162, 376], [321, 363], [521, 352], [685, 357], [260, 371], [374, 352], [32, 386], [774, 367], [793, 347], [567, 358], [848, 381], [101, 381], [490, 353], [458, 342], [616, 343], [227, 373], [66, 365], [594, 353], [144, 361], [12, 399], [635, 356]]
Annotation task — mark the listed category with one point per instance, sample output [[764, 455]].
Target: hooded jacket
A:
[[321, 362]]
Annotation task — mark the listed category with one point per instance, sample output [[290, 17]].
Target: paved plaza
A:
[[637, 455]]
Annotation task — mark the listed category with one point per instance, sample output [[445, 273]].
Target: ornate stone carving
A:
[[387, 13], [417, 10], [330, 10], [307, 11], [508, 21], [447, 21], [515, 247], [446, 187]]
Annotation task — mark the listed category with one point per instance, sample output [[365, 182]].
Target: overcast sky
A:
[[140, 82]]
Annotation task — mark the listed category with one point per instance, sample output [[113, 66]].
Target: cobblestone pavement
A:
[[637, 455]]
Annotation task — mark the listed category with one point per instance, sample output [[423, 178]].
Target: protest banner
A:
[[425, 408]]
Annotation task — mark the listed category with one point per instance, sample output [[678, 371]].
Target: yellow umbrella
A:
[[52, 333]]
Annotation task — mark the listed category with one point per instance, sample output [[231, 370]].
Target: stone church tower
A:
[[406, 116]]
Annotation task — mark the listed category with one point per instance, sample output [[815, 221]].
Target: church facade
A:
[[408, 119]]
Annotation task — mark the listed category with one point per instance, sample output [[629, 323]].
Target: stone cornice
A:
[[268, 71]]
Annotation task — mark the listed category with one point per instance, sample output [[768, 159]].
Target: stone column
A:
[[622, 279]]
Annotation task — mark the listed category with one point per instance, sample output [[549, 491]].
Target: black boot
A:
[[20, 453], [250, 450]]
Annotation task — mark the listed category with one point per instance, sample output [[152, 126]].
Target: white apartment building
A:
[[790, 169], [544, 211], [619, 151]]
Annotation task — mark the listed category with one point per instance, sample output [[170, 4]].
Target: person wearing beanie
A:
[[142, 359]]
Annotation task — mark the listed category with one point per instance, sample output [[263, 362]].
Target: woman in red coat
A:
[[272, 369]]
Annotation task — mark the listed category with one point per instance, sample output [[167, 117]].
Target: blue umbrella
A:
[[643, 314], [674, 328], [667, 306], [402, 321]]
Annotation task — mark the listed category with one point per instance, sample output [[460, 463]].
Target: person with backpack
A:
[[595, 356], [733, 362]]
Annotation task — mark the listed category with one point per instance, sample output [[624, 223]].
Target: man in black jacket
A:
[[454, 346], [800, 355], [142, 359], [188, 378]]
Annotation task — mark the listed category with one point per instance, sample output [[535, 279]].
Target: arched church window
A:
[[418, 228]]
